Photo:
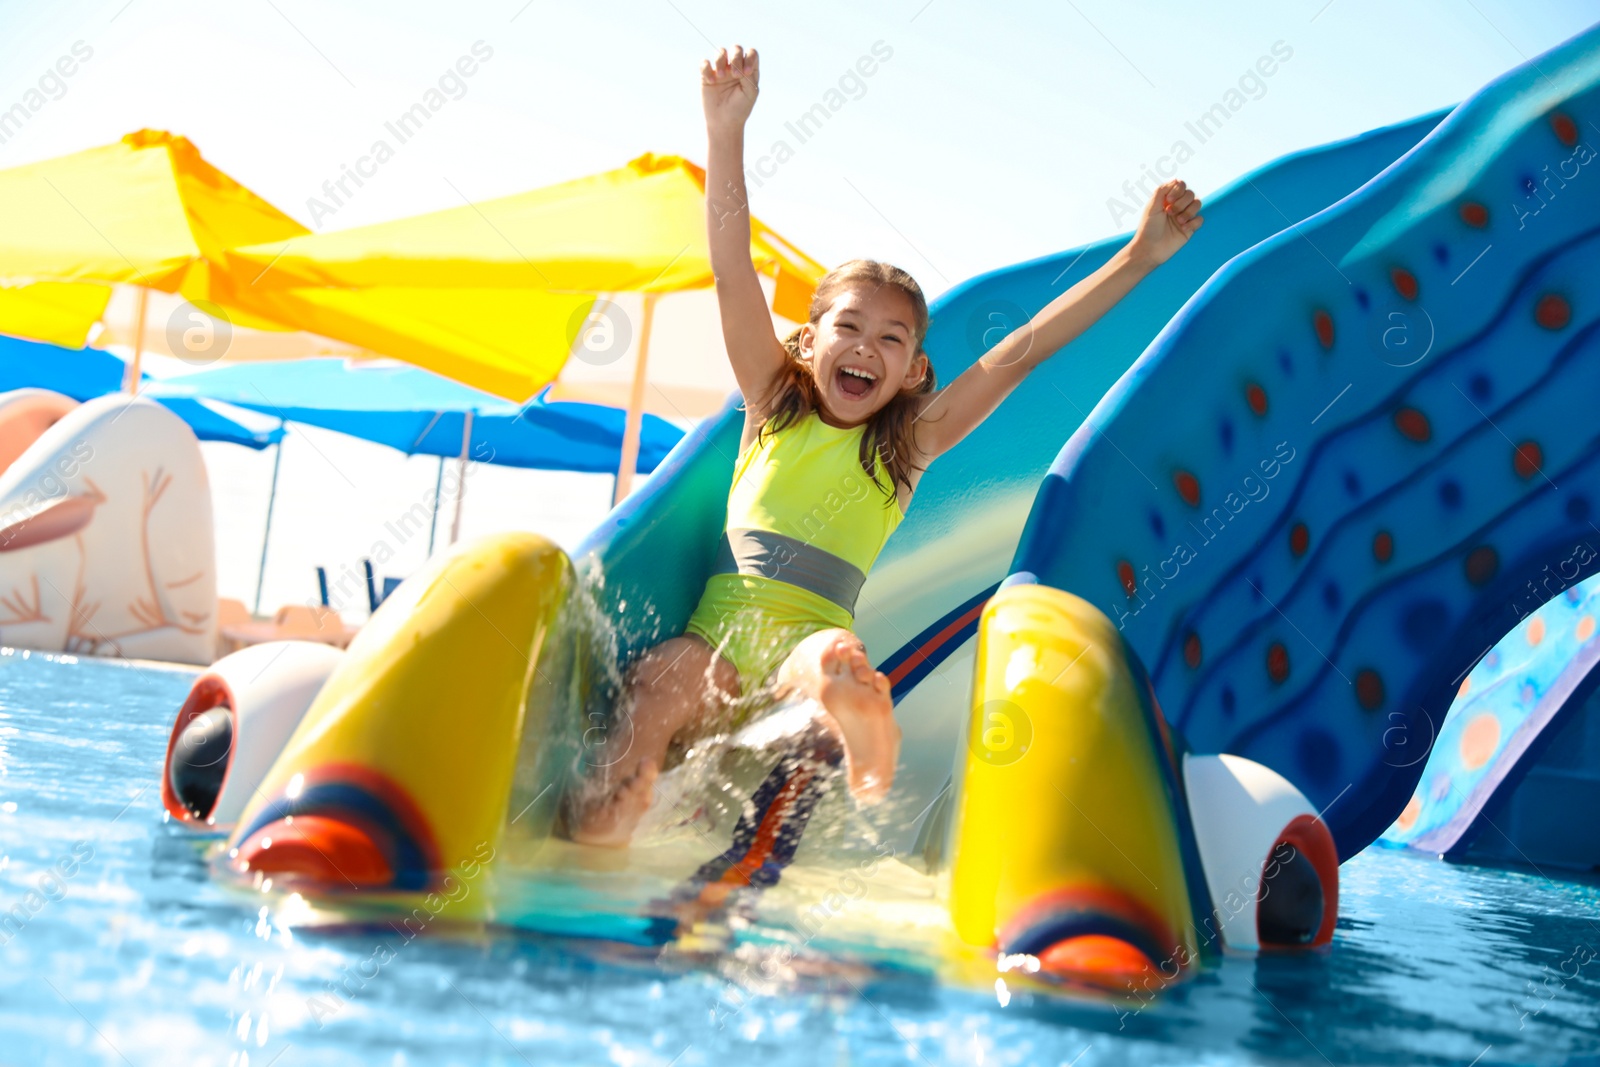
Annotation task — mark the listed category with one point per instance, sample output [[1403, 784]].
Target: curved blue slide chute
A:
[[1325, 489]]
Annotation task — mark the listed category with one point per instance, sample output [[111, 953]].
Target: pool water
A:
[[119, 948]]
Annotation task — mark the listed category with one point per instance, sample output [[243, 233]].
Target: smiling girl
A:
[[842, 418]]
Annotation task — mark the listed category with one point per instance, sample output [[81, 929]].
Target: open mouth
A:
[[855, 382]]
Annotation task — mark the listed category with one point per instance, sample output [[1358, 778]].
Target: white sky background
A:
[[995, 133], [987, 138]]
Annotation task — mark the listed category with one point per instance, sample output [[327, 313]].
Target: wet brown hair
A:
[[888, 436]]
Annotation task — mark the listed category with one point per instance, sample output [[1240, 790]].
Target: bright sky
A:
[[981, 140], [978, 140]]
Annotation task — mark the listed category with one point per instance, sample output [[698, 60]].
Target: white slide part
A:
[[267, 689], [1240, 810], [106, 539]]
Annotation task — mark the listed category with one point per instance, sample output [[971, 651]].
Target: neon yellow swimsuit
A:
[[804, 526]]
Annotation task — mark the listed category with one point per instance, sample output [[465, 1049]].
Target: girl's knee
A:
[[662, 662], [681, 664]]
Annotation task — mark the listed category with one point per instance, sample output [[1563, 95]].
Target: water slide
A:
[[1314, 501], [1281, 530], [1519, 752], [918, 611]]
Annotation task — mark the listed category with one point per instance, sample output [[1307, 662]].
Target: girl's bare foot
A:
[[858, 701], [609, 821]]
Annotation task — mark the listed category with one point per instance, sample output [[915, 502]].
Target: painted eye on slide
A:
[[1291, 903], [199, 760], [1270, 863], [236, 720]]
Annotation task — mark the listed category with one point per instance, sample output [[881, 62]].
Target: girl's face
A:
[[863, 353]]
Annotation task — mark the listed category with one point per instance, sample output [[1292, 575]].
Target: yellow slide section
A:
[[402, 768], [1067, 848]]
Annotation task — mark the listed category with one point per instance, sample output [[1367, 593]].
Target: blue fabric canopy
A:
[[84, 374], [421, 413]]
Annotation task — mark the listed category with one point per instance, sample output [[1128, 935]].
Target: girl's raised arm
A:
[[1172, 215], [728, 90]]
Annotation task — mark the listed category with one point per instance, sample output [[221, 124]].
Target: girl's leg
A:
[[831, 667], [673, 686]]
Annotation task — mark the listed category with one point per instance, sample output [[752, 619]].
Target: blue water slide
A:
[[1519, 752], [1321, 494], [919, 608]]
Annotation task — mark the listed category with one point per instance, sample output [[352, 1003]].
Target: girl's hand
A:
[[728, 87], [1169, 220]]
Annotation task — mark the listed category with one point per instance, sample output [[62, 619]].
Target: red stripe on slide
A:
[[916, 658], [767, 832]]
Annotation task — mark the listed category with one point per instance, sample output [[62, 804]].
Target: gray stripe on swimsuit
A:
[[789, 559]]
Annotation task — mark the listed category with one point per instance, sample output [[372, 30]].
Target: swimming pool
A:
[[129, 952]]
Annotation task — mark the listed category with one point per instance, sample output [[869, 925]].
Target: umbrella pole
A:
[[635, 420], [131, 377], [461, 476], [433, 521], [266, 534]]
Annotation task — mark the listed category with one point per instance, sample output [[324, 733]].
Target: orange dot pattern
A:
[[1130, 584], [1479, 741], [1322, 323], [1408, 818], [1405, 283], [1482, 564], [1369, 689], [1527, 459], [1188, 487], [1552, 311], [1299, 539], [1566, 130], [1277, 663], [1413, 425]]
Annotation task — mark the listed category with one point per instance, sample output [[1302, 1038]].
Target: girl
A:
[[841, 419]]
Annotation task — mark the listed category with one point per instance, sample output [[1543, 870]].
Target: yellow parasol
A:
[[131, 236], [473, 281], [145, 211]]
